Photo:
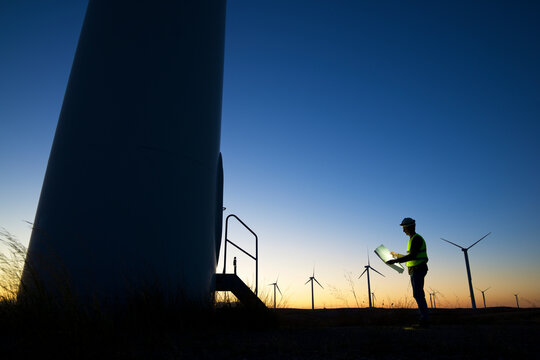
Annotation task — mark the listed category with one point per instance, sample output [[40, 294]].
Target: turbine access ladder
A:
[[231, 282]]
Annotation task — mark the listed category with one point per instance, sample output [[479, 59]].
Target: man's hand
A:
[[394, 254]]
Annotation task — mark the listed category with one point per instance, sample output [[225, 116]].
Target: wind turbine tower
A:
[[432, 297], [312, 279], [275, 285], [135, 156], [517, 301], [473, 302], [435, 298], [483, 295], [366, 270]]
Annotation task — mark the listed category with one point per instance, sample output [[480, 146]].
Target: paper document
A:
[[385, 255]]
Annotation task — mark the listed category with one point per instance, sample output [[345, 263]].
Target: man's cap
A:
[[407, 222]]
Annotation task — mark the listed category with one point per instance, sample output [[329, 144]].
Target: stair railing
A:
[[256, 257]]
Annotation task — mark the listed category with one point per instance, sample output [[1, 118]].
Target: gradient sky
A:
[[339, 119]]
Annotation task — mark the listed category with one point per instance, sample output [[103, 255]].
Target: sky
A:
[[339, 119]]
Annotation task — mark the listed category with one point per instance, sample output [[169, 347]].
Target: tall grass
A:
[[39, 324], [350, 280], [339, 295], [11, 266]]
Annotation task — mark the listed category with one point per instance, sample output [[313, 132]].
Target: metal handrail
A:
[[256, 257]]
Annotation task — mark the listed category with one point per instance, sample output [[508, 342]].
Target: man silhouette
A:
[[416, 260]]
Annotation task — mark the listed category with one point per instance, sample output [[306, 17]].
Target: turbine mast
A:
[[312, 297], [369, 288], [473, 302], [275, 295], [135, 156]]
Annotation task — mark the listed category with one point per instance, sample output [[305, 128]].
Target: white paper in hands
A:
[[384, 254]]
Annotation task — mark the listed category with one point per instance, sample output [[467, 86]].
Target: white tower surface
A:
[[132, 195]]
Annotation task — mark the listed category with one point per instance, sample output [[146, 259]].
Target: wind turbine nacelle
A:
[[132, 195]]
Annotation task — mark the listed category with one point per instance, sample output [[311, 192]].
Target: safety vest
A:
[[421, 257]]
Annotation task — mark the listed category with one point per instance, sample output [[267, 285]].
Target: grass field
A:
[[147, 327], [237, 333]]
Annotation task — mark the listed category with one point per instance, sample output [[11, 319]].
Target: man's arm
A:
[[415, 249]]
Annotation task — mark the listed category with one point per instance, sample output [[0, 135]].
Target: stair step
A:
[[232, 283]]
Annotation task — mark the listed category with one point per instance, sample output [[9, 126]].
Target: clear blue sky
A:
[[339, 119]]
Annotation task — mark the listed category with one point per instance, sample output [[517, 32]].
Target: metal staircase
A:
[[232, 283]]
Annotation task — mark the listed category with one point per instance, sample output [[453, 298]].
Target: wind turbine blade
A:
[[479, 240], [487, 289], [362, 273], [318, 283], [376, 271], [435, 292], [279, 290], [452, 243], [367, 251], [307, 281], [313, 271]]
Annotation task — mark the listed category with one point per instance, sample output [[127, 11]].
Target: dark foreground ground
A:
[[496, 333]]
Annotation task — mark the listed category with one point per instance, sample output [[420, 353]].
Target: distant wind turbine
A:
[[312, 278], [483, 295], [432, 296], [373, 296], [275, 285], [517, 301], [473, 302], [367, 267]]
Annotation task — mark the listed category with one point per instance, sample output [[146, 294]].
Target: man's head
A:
[[409, 226]]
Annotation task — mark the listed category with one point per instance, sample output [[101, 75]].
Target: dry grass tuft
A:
[[11, 266]]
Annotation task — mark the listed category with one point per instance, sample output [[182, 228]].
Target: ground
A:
[[496, 333], [382, 334]]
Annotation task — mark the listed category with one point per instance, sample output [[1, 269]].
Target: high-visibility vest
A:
[[421, 257]]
